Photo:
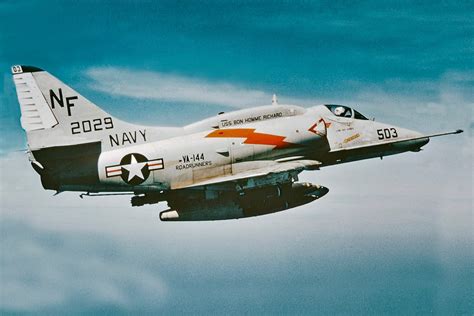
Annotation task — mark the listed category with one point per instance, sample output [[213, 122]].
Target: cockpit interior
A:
[[345, 111]]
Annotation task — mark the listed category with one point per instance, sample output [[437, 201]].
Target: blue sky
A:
[[391, 237]]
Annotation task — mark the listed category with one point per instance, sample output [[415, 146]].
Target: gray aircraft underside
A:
[[232, 165]]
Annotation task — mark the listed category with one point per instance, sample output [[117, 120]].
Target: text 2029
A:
[[87, 126]]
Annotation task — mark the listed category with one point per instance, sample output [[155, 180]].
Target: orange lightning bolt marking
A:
[[252, 137]]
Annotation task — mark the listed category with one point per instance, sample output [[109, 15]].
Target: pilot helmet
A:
[[339, 110]]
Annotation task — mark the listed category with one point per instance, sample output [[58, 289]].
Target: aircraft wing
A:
[[254, 174]]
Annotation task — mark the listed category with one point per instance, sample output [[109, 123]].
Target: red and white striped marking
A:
[[115, 171]]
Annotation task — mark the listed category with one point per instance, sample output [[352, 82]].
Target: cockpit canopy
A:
[[345, 111]]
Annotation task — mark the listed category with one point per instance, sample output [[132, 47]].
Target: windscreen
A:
[[344, 111]]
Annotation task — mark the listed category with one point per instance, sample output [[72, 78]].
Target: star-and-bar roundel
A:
[[134, 168]]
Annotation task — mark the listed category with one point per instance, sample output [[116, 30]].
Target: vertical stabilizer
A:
[[53, 114]]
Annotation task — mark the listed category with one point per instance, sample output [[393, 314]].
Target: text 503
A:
[[387, 133]]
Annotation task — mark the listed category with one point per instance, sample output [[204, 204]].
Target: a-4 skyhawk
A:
[[233, 165]]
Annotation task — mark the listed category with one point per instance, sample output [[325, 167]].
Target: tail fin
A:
[[35, 112], [53, 114]]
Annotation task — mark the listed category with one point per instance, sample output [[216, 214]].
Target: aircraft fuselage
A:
[[189, 159]]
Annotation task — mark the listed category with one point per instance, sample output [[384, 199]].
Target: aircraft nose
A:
[[417, 134], [407, 133], [417, 140], [422, 141]]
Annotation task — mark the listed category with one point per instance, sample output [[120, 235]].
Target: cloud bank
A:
[[170, 87]]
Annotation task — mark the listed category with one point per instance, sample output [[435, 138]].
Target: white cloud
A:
[[170, 87], [161, 86], [44, 269]]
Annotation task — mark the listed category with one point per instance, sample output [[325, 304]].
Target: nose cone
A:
[[417, 140], [421, 141], [406, 133]]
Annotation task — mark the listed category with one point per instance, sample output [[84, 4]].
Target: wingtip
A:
[[458, 131]]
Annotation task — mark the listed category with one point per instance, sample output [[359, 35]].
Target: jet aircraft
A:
[[232, 165]]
